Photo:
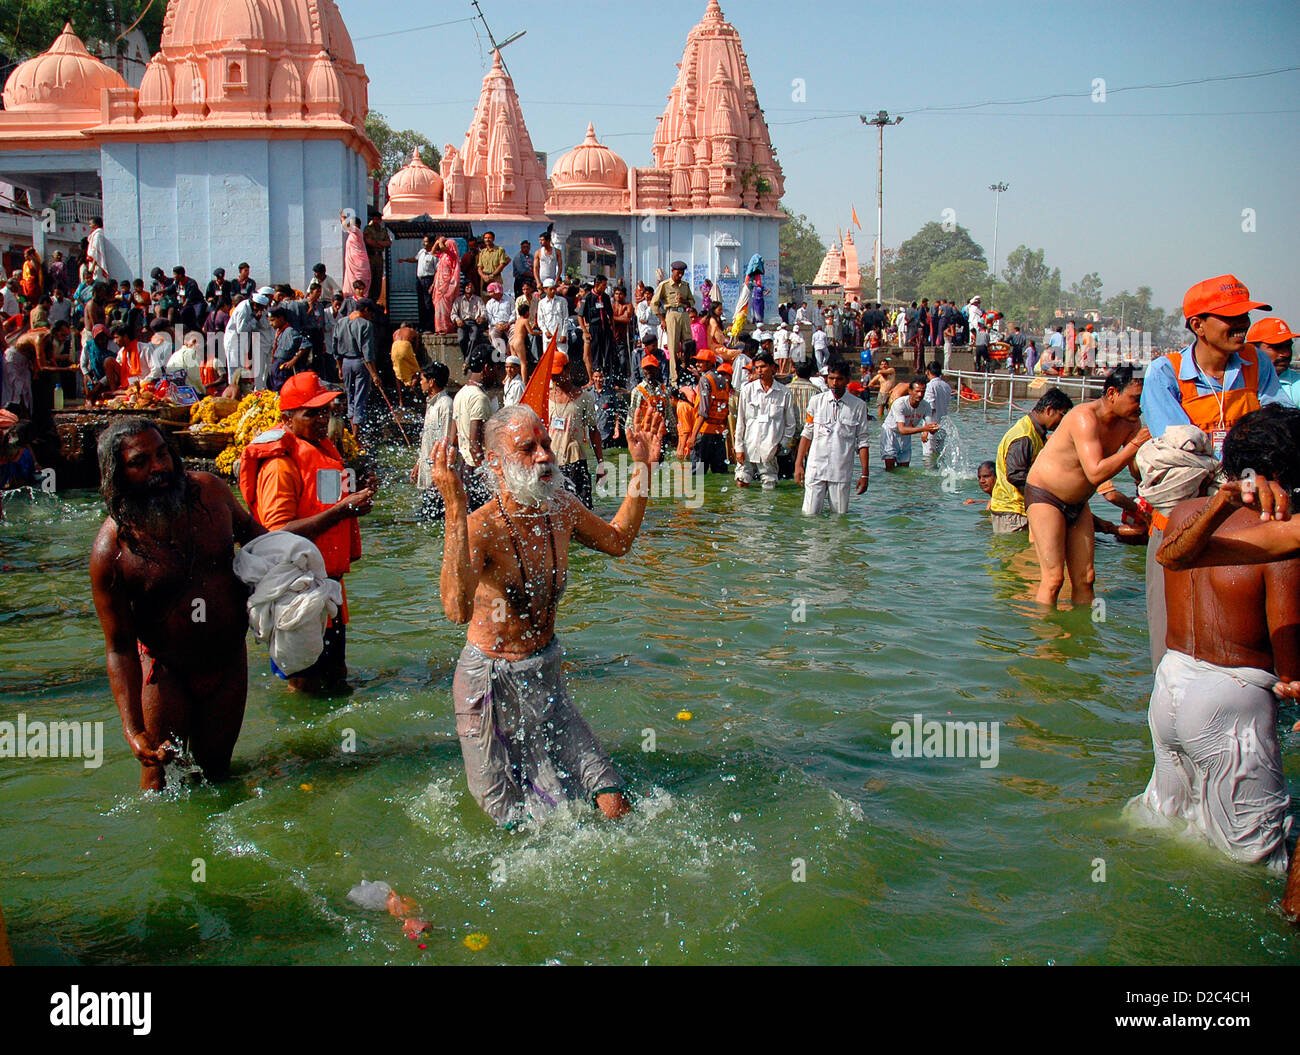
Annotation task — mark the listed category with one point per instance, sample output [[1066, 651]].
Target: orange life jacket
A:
[[130, 359], [341, 544], [715, 414], [1203, 408], [659, 402]]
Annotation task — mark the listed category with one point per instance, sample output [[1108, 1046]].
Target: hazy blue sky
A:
[[1146, 187]]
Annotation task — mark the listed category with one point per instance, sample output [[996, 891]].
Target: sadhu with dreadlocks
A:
[[172, 610]]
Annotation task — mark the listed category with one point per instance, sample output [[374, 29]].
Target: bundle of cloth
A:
[[292, 597], [1176, 465]]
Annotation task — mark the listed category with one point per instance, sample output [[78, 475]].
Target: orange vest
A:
[[341, 544], [658, 402], [130, 356], [715, 414], [1203, 408]]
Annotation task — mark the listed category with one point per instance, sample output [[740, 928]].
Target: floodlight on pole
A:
[[881, 119], [997, 189]]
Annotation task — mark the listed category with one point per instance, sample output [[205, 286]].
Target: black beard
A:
[[152, 511]]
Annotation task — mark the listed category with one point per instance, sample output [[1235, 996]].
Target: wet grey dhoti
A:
[[526, 747]]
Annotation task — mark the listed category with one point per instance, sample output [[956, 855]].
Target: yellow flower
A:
[[476, 942]]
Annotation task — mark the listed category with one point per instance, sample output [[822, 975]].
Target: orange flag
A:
[[855, 216], [537, 393]]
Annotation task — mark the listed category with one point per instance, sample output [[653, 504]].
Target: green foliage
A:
[[802, 250], [28, 27], [958, 279], [1139, 313], [1030, 291], [395, 146], [1086, 293], [931, 245]]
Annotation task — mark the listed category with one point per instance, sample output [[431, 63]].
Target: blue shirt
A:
[[1289, 381], [1162, 401]]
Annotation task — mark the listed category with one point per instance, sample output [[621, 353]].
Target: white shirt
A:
[[647, 320], [975, 317], [798, 350], [466, 309], [437, 423], [60, 311], [938, 394], [903, 413], [765, 419], [552, 313], [548, 265], [500, 311], [426, 264], [781, 344], [801, 316], [821, 348], [514, 391], [838, 429], [239, 348], [11, 305]]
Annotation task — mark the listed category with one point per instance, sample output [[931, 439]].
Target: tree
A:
[[29, 28], [956, 279], [802, 250], [1137, 311], [1031, 290], [931, 245], [888, 258], [1087, 291], [395, 147]]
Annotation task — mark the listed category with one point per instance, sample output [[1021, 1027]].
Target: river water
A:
[[776, 824]]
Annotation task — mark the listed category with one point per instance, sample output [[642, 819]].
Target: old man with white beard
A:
[[504, 568]]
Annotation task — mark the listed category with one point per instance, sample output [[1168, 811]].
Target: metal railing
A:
[[77, 208]]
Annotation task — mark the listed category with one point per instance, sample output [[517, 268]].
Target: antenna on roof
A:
[[493, 40]]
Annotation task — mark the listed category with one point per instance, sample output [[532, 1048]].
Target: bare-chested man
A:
[[1095, 441], [1234, 632], [172, 610], [504, 568]]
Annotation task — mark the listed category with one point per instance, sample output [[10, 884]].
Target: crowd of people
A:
[[1209, 436]]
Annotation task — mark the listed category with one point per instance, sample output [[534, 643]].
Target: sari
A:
[[356, 261], [445, 287]]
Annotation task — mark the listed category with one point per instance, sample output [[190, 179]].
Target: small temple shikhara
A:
[[839, 267], [246, 139]]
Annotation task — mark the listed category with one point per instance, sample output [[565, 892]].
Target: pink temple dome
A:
[[590, 165], [414, 191], [67, 77]]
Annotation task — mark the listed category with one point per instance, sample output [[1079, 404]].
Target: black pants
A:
[[424, 298], [578, 478], [470, 333], [711, 452]]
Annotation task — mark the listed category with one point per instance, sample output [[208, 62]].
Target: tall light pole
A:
[[997, 189], [881, 119]]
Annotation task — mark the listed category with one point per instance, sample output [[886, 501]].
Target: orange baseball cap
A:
[[559, 363], [649, 361], [725, 368], [1270, 331], [305, 390], [705, 356], [1224, 295]]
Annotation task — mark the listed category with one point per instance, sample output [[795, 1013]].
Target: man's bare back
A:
[[1234, 615]]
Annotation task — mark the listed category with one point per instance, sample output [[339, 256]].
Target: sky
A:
[[1146, 186]]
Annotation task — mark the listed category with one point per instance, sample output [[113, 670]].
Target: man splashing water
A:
[[504, 569]]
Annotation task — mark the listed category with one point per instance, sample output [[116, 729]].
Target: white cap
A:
[[266, 291], [513, 360], [758, 334], [548, 283], [258, 298], [782, 326]]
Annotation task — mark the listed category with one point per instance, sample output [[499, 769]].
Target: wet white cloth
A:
[[1218, 764], [837, 429], [1175, 464], [292, 596]]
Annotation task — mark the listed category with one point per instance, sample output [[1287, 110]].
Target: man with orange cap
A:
[[574, 429], [652, 391], [1274, 337], [1218, 379], [293, 479], [707, 443]]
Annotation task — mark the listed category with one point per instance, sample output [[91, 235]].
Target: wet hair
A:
[[437, 373], [479, 358], [112, 471], [1054, 399], [1121, 377], [502, 420], [1268, 441], [986, 467]]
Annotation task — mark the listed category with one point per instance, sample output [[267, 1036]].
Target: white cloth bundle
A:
[[1175, 465], [292, 597]]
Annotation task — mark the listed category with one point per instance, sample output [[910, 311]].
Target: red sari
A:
[[445, 282]]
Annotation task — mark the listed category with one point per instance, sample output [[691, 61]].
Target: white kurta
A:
[[765, 420], [552, 314], [837, 429], [239, 343]]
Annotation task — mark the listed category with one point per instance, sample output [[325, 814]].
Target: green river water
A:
[[774, 826]]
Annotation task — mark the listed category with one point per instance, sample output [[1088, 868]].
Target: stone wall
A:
[[213, 204]]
